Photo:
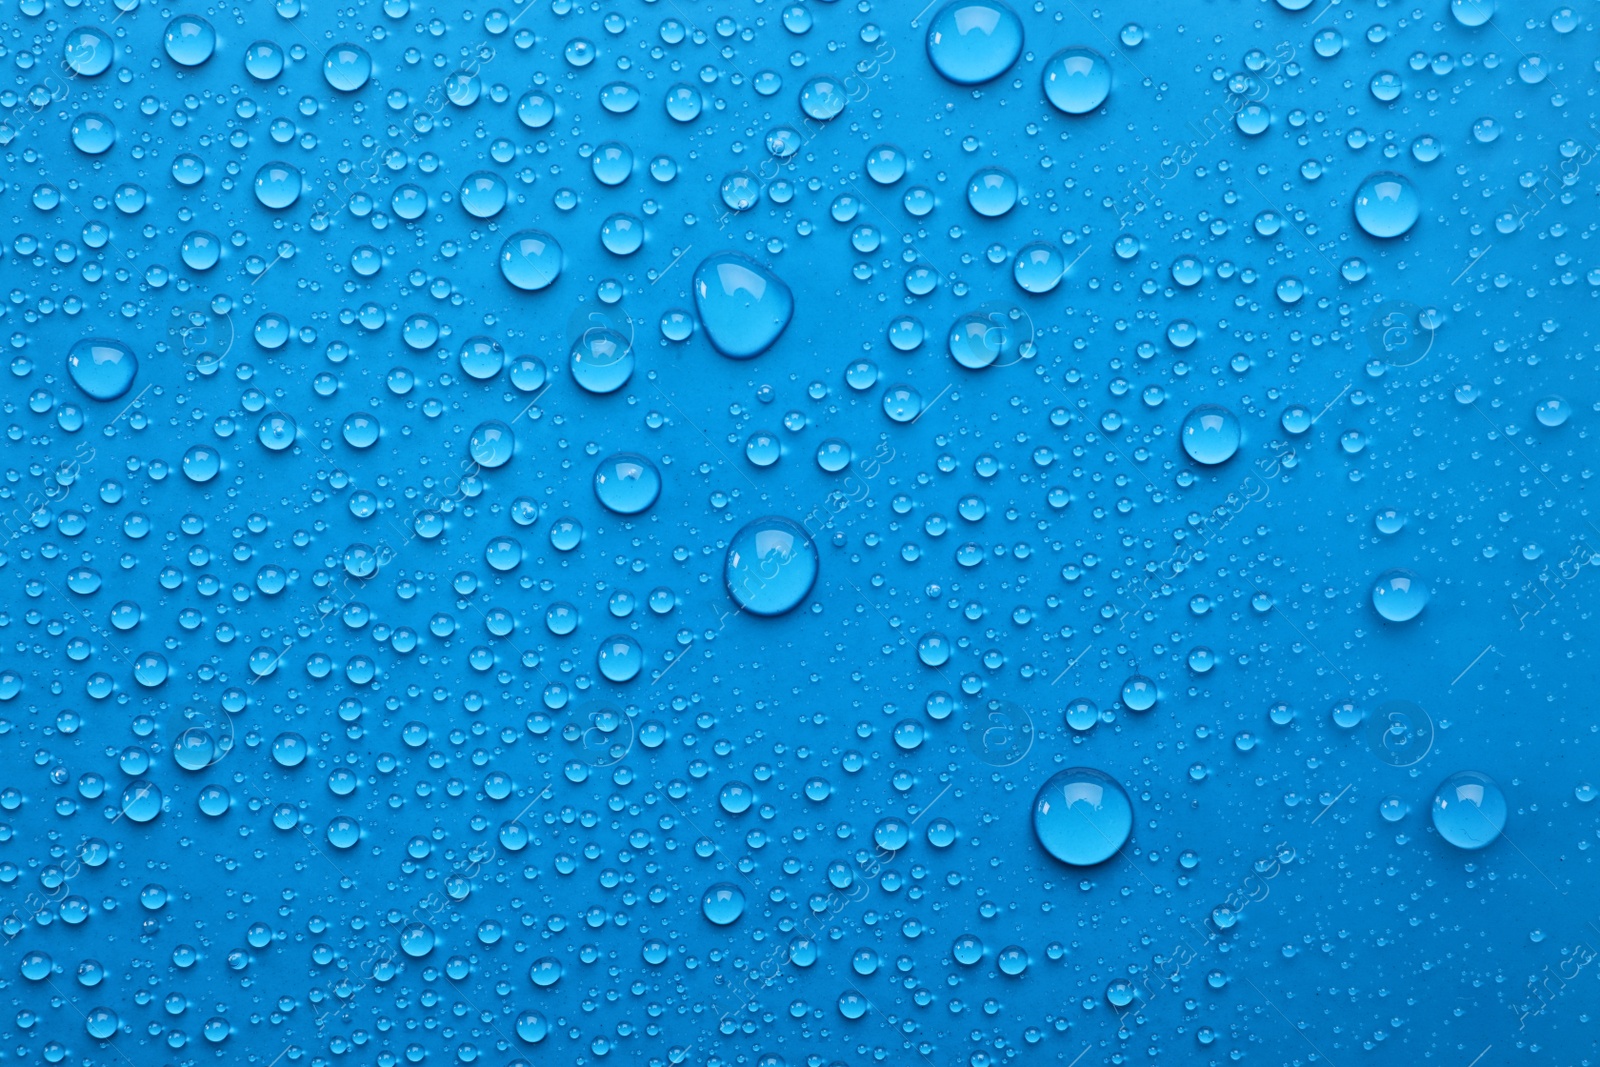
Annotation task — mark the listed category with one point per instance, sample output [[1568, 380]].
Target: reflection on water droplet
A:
[[347, 67]]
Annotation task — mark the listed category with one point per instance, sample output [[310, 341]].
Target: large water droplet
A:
[[1472, 13], [1082, 816], [277, 185], [88, 52], [743, 306], [1077, 80], [602, 361], [771, 566], [627, 484], [723, 903], [103, 369], [190, 40], [1469, 810], [1210, 434], [1399, 595], [347, 67], [1387, 205], [972, 41], [530, 260], [492, 444]]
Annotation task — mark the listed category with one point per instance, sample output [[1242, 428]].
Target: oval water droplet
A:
[[627, 484], [103, 369]]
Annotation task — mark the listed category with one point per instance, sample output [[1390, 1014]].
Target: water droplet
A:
[[1386, 205], [530, 260], [1472, 13], [277, 185], [723, 903], [601, 360], [1399, 595], [974, 41], [743, 306], [1469, 810], [347, 67], [627, 484], [771, 566], [492, 444], [102, 368], [1082, 816], [93, 133], [190, 40], [1077, 80], [992, 192], [88, 52], [1211, 434]]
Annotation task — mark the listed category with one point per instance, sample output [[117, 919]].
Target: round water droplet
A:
[[1077, 80], [992, 192], [417, 940], [627, 484], [822, 98], [1082, 816], [1552, 411], [723, 903], [88, 52], [1386, 205], [101, 1023], [530, 260], [1210, 434], [1469, 810], [92, 133], [347, 67], [771, 566], [743, 306], [602, 360], [620, 658], [141, 801], [1039, 268], [276, 431], [973, 41], [481, 358], [977, 341], [1472, 13], [277, 185], [492, 444], [190, 40], [483, 194], [102, 368], [1399, 595], [263, 60]]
